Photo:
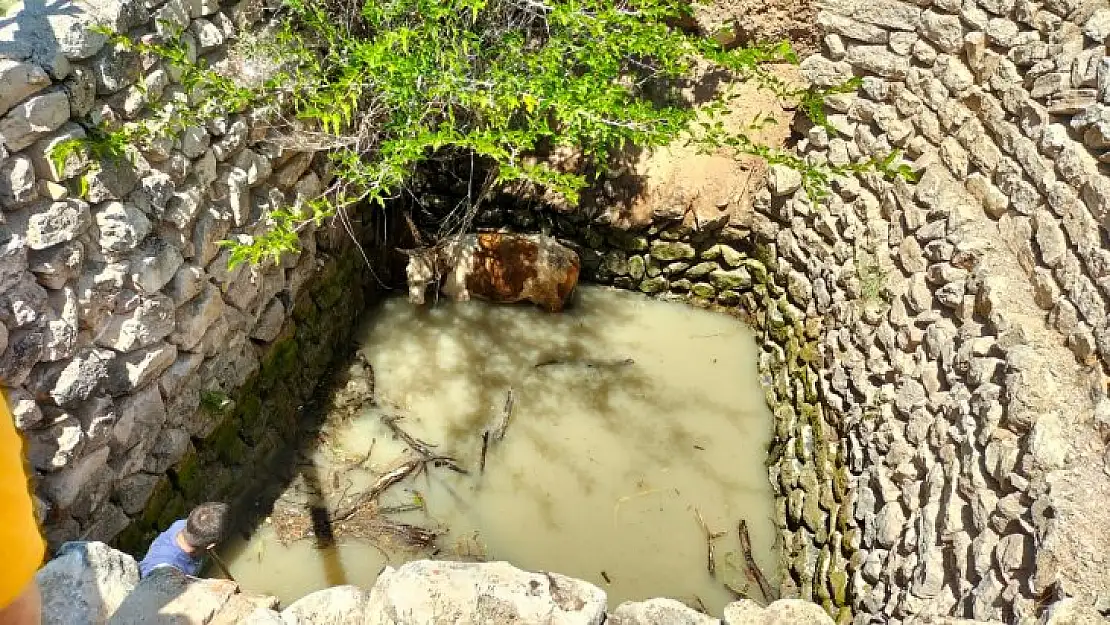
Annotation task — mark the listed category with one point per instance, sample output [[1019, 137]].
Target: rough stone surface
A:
[[85, 582], [425, 591]]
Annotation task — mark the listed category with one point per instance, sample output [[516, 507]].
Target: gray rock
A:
[[46, 168], [56, 222], [172, 445], [139, 417], [155, 265], [469, 593], [150, 321], [53, 447], [781, 612], [17, 181], [65, 486], [84, 583], [112, 179], [929, 579], [1097, 26], [169, 597], [850, 28], [783, 180], [33, 118], [945, 31], [339, 605], [822, 72], [135, 369], [878, 60], [55, 266], [115, 68], [122, 226], [18, 81], [1013, 552], [890, 522], [24, 409], [78, 379], [196, 316], [655, 611], [194, 141], [133, 491]]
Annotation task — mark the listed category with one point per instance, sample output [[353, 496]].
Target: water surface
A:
[[643, 415]]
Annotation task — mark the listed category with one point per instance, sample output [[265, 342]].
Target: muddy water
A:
[[643, 415]]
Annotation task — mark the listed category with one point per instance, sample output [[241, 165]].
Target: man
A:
[[21, 545], [184, 545]]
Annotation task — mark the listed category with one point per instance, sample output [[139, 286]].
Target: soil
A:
[[739, 22], [681, 181]]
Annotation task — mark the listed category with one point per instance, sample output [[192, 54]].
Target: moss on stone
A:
[[838, 583], [159, 497], [172, 511], [187, 476]]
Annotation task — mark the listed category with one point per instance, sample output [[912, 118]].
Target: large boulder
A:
[[85, 583], [781, 612], [658, 611], [466, 593], [339, 605], [169, 597]]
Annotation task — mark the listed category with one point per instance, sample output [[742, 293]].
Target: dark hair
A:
[[207, 524]]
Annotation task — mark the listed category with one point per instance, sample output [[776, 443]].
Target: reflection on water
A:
[[643, 414]]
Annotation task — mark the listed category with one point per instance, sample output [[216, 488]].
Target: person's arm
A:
[[26, 609], [21, 544]]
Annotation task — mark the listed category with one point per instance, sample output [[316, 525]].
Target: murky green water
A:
[[649, 414]]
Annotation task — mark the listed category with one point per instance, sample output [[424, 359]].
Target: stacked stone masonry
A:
[[125, 338], [934, 350]]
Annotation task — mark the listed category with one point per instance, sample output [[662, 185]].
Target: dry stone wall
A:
[[133, 357], [935, 349]]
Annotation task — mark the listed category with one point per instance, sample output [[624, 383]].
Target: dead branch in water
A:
[[385, 481], [417, 445], [498, 433], [485, 448], [710, 536], [616, 362], [422, 448], [769, 593]]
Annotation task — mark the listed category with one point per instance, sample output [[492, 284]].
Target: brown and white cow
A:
[[497, 267]]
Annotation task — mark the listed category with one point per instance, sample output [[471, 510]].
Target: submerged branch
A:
[[769, 593]]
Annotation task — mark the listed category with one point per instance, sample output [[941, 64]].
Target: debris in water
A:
[[754, 571], [710, 536]]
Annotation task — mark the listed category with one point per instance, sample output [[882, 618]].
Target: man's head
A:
[[207, 525]]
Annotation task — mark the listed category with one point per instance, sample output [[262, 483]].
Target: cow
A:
[[496, 267]]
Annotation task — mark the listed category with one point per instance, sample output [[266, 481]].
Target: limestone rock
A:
[[196, 316], [781, 612], [78, 379], [135, 369], [54, 446], [84, 583], [655, 611], [64, 487], [470, 594], [122, 226], [783, 180], [155, 265], [17, 181], [52, 223], [115, 67], [19, 80], [339, 605], [35, 117], [169, 597], [149, 320]]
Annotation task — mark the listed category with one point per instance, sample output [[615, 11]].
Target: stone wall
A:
[[931, 348], [144, 373]]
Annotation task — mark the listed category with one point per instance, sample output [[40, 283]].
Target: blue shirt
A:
[[165, 551]]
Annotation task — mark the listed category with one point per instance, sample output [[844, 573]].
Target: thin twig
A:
[[710, 536], [769, 593]]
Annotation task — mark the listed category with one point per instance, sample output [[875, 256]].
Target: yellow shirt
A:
[[21, 544]]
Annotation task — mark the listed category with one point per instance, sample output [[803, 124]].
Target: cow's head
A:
[[421, 270]]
